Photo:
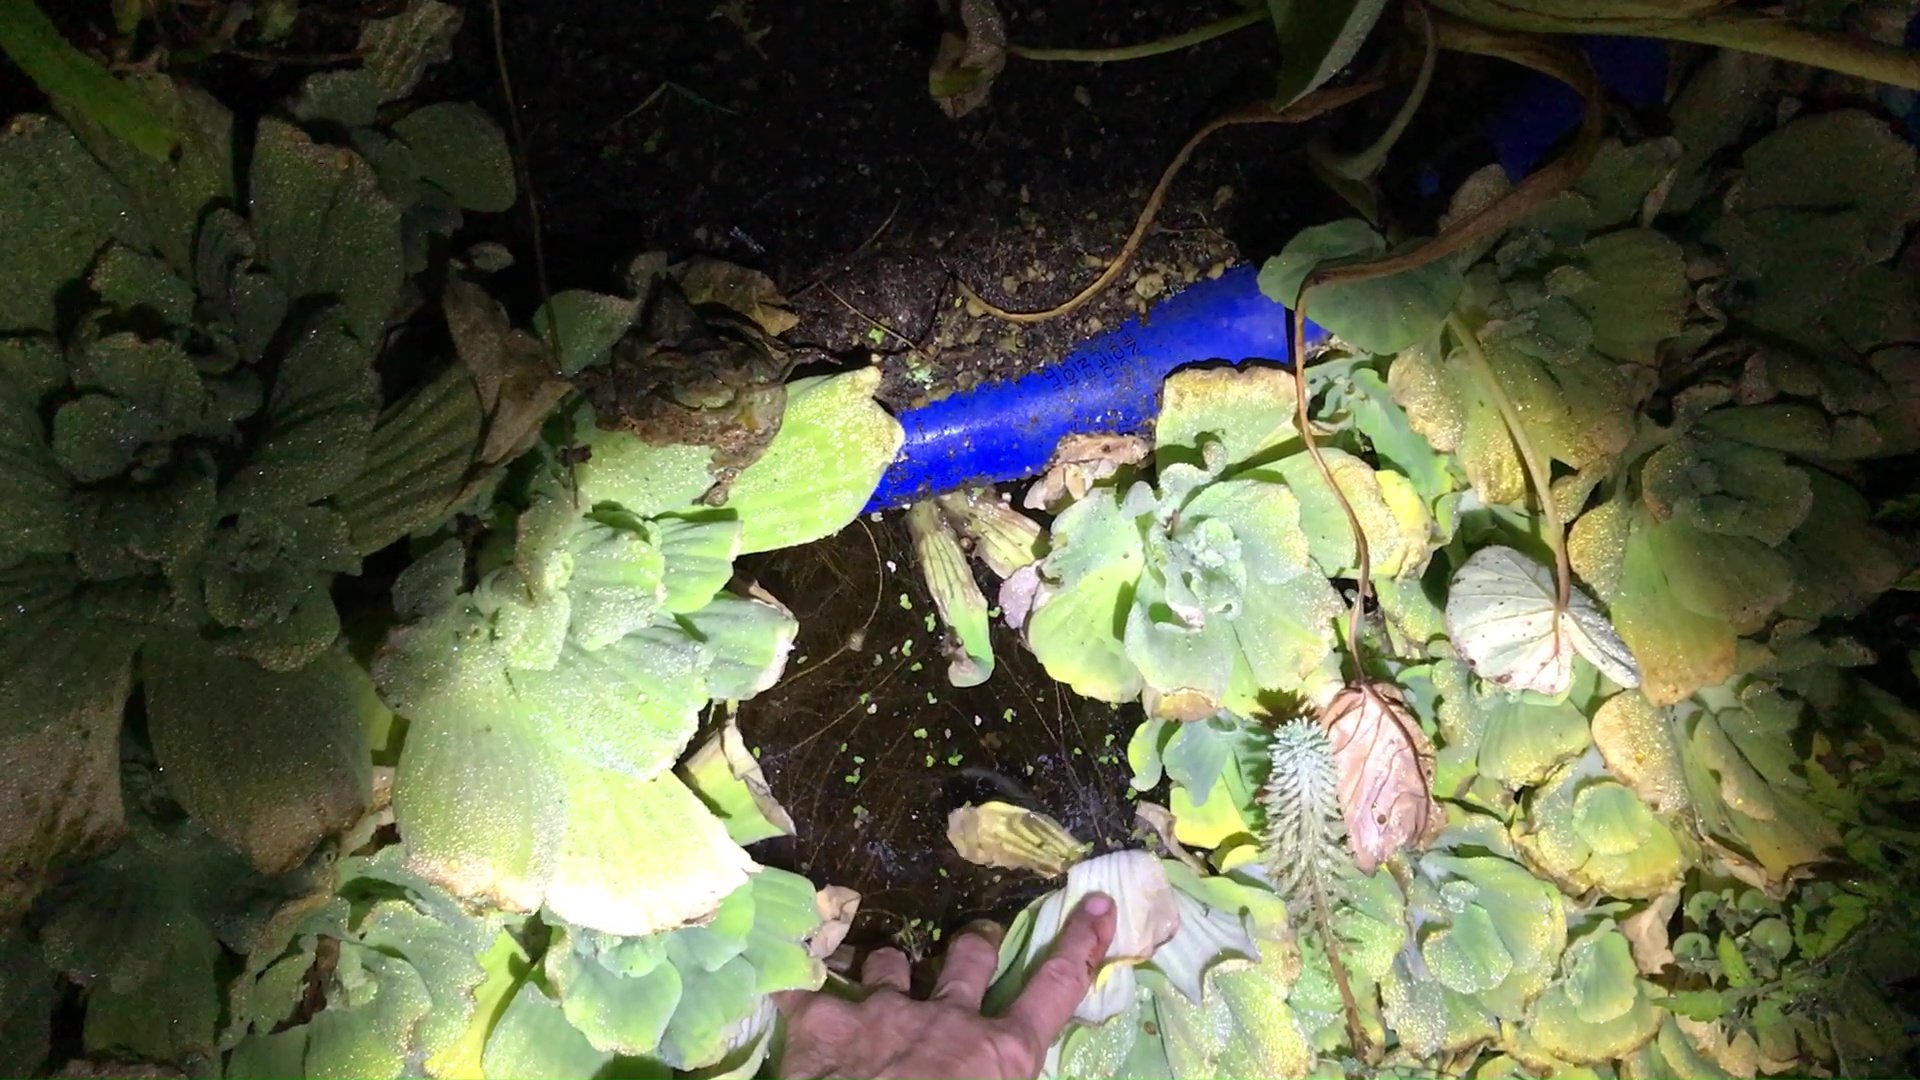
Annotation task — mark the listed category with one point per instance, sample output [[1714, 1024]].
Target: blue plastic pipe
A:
[[1005, 431]]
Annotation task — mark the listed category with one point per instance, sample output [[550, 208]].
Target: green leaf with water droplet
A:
[[1390, 431], [1743, 777], [572, 737], [140, 924], [1601, 979], [1527, 917], [66, 652], [28, 993], [1524, 737], [1468, 955], [58, 207], [1381, 316], [590, 323], [420, 462], [1639, 294], [394, 54], [748, 640], [319, 419], [1590, 832], [683, 996], [460, 150], [268, 762], [1840, 560], [1599, 1010], [324, 228], [834, 444]]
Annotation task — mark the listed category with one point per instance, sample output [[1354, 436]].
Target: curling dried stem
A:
[[1515, 205], [1536, 465], [1363, 556], [1314, 104], [1187, 40]]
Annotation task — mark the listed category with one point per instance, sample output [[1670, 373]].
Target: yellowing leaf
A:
[[1639, 748], [729, 781], [639, 857], [1679, 650], [1396, 521], [1206, 824], [1004, 835], [1249, 409]]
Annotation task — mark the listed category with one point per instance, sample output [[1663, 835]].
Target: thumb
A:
[[1062, 981]]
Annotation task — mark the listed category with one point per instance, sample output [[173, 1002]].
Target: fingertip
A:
[[986, 929], [1098, 909]]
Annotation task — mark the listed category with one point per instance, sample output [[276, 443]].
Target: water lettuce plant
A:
[[1607, 799], [191, 393], [1635, 856], [213, 406], [567, 681], [1208, 585]]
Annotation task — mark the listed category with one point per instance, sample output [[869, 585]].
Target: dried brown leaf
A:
[[1646, 932], [1386, 773], [742, 289], [837, 906], [1079, 462], [513, 372], [969, 60]]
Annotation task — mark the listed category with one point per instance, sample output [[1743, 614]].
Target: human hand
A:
[[891, 1035]]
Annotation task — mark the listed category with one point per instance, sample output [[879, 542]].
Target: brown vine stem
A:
[[1363, 556], [1529, 193], [1516, 204], [1743, 31], [1536, 465], [1152, 48], [1355, 1034], [1314, 104]]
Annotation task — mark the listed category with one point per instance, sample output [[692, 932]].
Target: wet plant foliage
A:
[[394, 683]]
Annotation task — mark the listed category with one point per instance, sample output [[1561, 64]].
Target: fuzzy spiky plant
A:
[[1303, 842], [1303, 845]]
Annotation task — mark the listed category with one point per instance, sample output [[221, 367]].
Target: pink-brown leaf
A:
[[1386, 773]]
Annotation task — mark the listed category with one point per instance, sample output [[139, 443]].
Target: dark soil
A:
[[870, 748], [800, 139]]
